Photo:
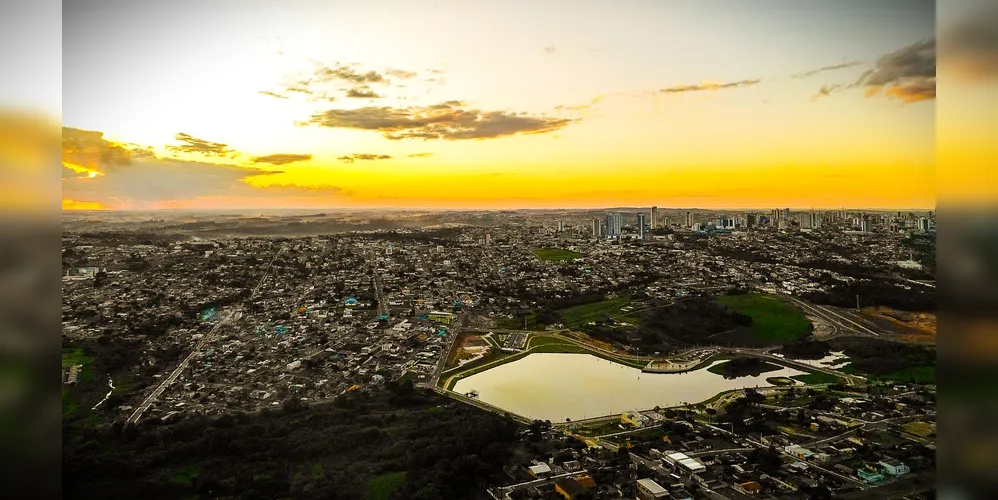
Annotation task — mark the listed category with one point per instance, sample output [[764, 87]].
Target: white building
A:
[[650, 490], [894, 467]]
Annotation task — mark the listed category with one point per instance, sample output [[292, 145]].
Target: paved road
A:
[[840, 324], [506, 490], [172, 377]]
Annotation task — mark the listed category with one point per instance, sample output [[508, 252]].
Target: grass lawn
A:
[[817, 378], [72, 356], [185, 475], [381, 487], [584, 313], [772, 318], [920, 429], [922, 374], [69, 407], [555, 254]]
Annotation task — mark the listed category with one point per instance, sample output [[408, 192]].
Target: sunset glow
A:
[[407, 104]]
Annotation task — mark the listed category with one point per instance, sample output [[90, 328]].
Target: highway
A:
[[840, 324], [172, 377]]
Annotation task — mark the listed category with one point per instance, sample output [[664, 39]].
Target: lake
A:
[[555, 386]]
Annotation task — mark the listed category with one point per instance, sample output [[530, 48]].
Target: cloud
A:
[[420, 155], [969, 47], [364, 157], [826, 68], [448, 120], [200, 146], [550, 49], [281, 159], [362, 92], [826, 90], [347, 73], [88, 153], [272, 94], [316, 85], [907, 74], [709, 86], [401, 74]]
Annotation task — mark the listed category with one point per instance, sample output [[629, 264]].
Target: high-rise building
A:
[[641, 226], [597, 228], [689, 219], [865, 225], [750, 221], [654, 217], [786, 213], [488, 239], [924, 224], [561, 226], [776, 215], [614, 223]]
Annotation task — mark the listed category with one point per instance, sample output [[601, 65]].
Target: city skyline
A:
[[321, 107]]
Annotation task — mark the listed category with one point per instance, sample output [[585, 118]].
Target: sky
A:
[[500, 104]]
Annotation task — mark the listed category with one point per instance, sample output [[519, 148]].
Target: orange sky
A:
[[354, 105]]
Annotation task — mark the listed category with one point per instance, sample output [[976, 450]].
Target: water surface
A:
[[556, 386]]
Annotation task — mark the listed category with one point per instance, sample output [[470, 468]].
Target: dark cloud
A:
[[89, 149], [910, 69], [147, 178], [200, 146], [362, 93], [420, 155], [826, 68], [907, 74], [448, 120], [969, 47], [363, 157], [709, 86], [281, 159], [550, 49]]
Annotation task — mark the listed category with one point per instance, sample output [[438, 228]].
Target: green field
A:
[[185, 475], [772, 318], [555, 254], [74, 356], [602, 310], [921, 374], [381, 487]]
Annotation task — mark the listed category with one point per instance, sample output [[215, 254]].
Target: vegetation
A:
[[396, 443], [69, 406], [687, 322], [381, 487], [555, 254], [817, 378], [73, 356], [772, 319], [593, 311], [891, 361], [779, 381], [185, 475], [875, 292], [805, 349], [742, 367]]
